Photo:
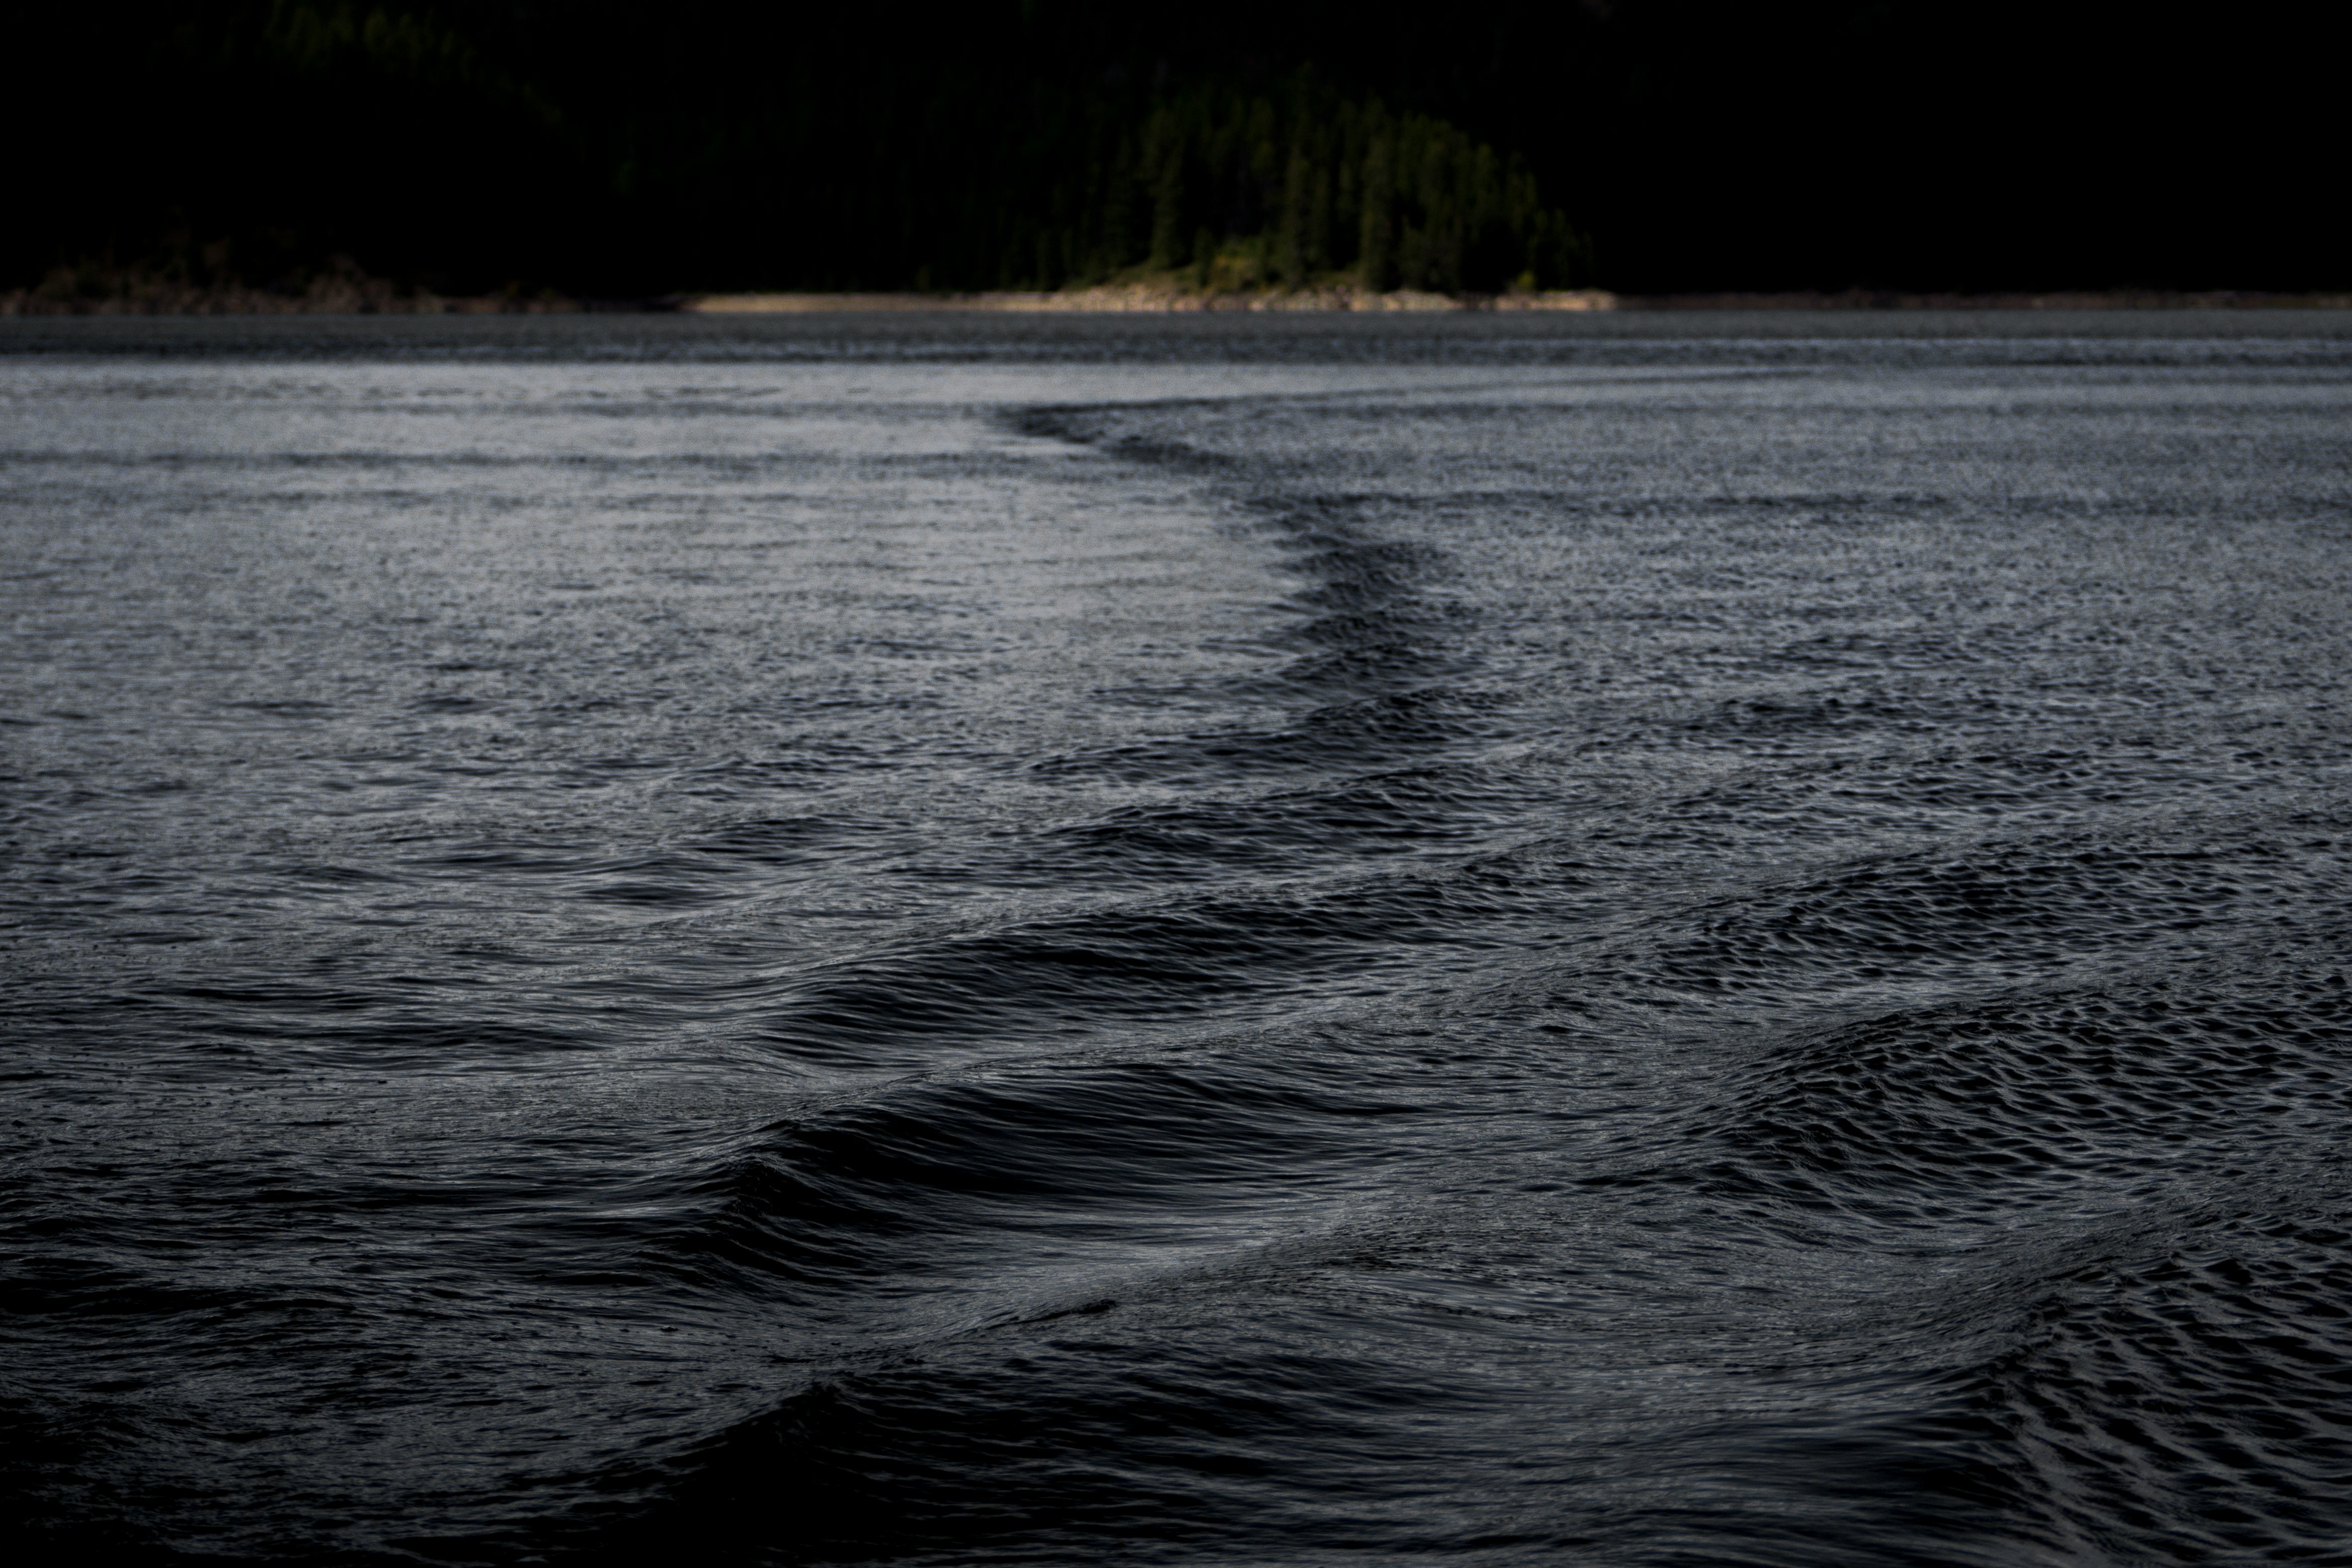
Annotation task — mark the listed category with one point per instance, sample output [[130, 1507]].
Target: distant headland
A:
[[463, 156], [346, 291], [1158, 296], [1341, 296]]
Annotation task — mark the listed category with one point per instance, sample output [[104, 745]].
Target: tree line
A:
[[607, 146], [1302, 184], [475, 145]]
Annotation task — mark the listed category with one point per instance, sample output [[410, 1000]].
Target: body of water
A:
[[955, 940]]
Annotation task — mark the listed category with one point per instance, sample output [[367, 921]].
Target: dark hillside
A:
[[623, 149]]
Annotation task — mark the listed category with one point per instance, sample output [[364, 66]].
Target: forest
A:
[[464, 149], [613, 149]]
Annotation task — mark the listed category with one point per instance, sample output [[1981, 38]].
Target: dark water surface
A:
[[959, 940]]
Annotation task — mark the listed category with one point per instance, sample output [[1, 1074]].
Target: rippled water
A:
[[955, 941]]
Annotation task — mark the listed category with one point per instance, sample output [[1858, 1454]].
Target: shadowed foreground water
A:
[[958, 941]]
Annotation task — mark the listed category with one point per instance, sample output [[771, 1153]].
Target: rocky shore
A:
[[1163, 297], [1154, 296]]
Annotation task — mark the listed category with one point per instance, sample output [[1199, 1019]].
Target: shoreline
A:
[[1155, 298], [1146, 298], [376, 298]]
